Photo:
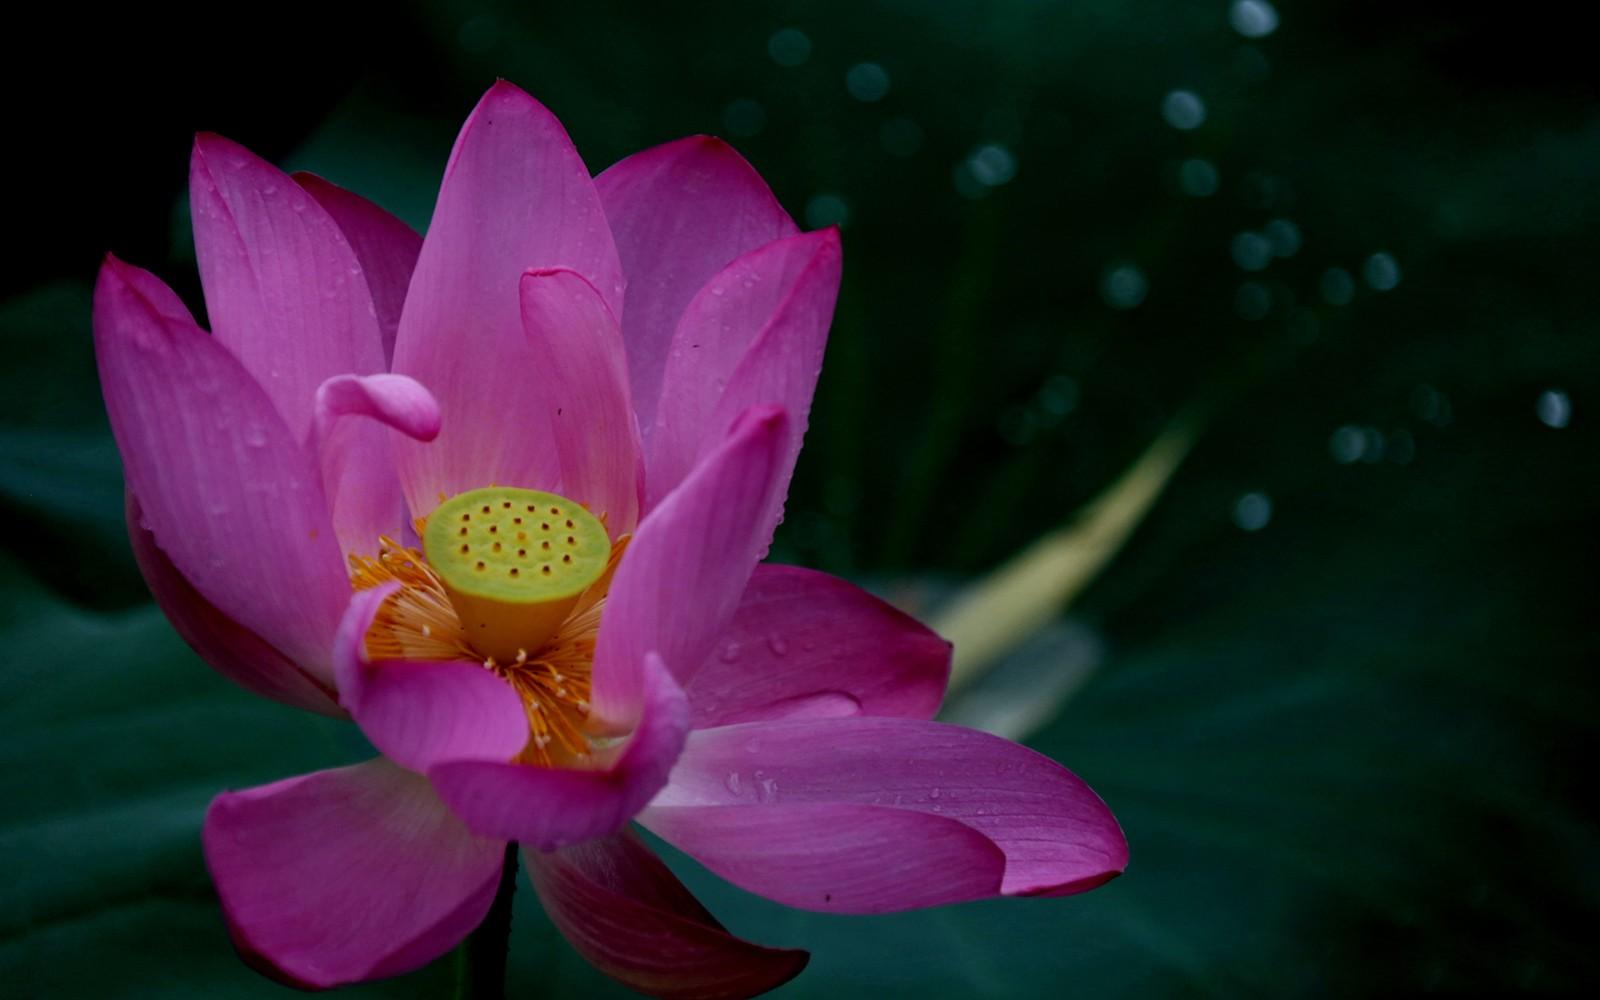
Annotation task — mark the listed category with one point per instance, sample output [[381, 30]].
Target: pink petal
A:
[[680, 212], [420, 713], [547, 808], [754, 334], [347, 875], [236, 652], [806, 644], [230, 495], [357, 455], [838, 857], [284, 289], [386, 247], [1057, 836], [633, 920], [680, 581], [515, 196], [582, 379]]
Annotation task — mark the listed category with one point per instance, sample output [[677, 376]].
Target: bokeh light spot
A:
[[1252, 511], [1183, 109], [1123, 286], [789, 47], [1554, 408], [1253, 18], [867, 82]]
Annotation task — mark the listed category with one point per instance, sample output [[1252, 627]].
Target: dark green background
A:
[[1351, 749]]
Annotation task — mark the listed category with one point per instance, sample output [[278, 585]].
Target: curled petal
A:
[[680, 582], [680, 213], [231, 495], [233, 650], [346, 875], [386, 247], [547, 807], [515, 195], [1056, 835], [357, 455], [633, 920], [284, 289], [582, 377], [806, 644], [420, 713]]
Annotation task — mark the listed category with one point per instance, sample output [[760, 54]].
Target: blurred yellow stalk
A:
[[996, 613]]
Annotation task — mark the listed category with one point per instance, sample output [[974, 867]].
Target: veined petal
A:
[[547, 808], [357, 456], [418, 713], [233, 650], [681, 579], [805, 644], [680, 212], [386, 247], [284, 289], [837, 857], [754, 334], [582, 378], [1056, 834], [633, 920], [515, 196], [231, 496], [347, 875]]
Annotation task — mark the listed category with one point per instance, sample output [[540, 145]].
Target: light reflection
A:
[[900, 137], [1337, 286], [744, 117], [1252, 301], [1381, 271], [1284, 236], [1251, 251], [789, 47], [1123, 286], [1198, 178], [1430, 405], [1347, 444], [827, 209], [1253, 18], [1554, 408], [1253, 511], [992, 165], [1058, 397], [867, 82], [1183, 110]]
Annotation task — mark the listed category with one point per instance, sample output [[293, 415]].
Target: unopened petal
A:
[[233, 650], [515, 195], [754, 334], [284, 290], [582, 380], [231, 496], [680, 212], [682, 577], [386, 247]]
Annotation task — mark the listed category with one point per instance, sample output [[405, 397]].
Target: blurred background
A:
[[1326, 646]]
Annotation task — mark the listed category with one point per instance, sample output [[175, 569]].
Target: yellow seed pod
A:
[[514, 563]]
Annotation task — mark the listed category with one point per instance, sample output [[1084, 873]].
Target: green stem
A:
[[481, 958]]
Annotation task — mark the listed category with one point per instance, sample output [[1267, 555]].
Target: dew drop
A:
[[778, 644], [730, 653], [733, 782]]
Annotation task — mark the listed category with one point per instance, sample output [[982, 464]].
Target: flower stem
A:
[[481, 958]]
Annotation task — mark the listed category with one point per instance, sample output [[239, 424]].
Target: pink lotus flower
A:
[[499, 495]]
